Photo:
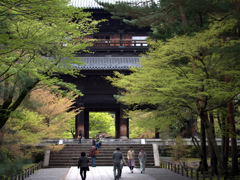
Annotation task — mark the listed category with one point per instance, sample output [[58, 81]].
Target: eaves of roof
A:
[[109, 63], [92, 4]]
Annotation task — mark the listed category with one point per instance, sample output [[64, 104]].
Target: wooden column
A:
[[86, 124], [124, 123], [79, 123], [117, 124]]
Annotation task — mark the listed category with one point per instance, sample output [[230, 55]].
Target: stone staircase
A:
[[69, 155]]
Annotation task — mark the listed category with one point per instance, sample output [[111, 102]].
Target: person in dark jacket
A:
[[117, 157], [80, 137], [83, 165]]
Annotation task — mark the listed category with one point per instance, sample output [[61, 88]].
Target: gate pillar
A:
[[124, 124]]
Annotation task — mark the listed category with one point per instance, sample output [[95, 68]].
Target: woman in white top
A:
[[131, 160]]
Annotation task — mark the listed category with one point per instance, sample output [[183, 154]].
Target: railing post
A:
[[178, 168], [22, 175], [191, 173], [197, 174], [187, 171]]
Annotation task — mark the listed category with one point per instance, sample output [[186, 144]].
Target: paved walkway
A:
[[104, 173]]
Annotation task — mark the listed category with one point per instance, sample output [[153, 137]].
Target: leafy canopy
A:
[[38, 40], [174, 70]]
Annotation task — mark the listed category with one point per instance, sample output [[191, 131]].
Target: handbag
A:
[[88, 169], [79, 137]]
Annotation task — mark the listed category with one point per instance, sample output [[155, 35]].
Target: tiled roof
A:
[[109, 63], [94, 5]]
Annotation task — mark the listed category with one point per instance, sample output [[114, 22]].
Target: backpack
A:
[[91, 152]]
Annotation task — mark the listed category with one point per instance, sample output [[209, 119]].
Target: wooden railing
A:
[[27, 172], [120, 42], [184, 170]]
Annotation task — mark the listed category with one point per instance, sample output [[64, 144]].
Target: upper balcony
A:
[[119, 45]]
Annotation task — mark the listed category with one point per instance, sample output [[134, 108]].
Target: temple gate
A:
[[118, 47]]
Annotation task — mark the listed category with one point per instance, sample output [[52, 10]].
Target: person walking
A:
[[142, 157], [92, 154], [83, 165], [117, 156], [131, 160], [122, 163], [80, 137]]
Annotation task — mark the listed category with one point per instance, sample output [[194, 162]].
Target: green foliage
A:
[[168, 18], [10, 167], [27, 127], [173, 72], [180, 152], [38, 41], [138, 130], [186, 76], [101, 122], [70, 132]]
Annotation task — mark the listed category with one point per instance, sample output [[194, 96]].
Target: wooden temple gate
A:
[[118, 48]]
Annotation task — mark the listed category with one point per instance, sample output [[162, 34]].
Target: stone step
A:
[[63, 165], [149, 163], [69, 155]]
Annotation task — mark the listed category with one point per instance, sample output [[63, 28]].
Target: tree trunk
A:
[[183, 17], [8, 108], [4, 116], [211, 150], [226, 143], [222, 124], [204, 147], [233, 138], [157, 133], [222, 165]]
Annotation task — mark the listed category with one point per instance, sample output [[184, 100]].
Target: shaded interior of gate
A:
[[99, 97]]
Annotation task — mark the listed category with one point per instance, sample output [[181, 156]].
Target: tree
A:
[[178, 17], [56, 109], [101, 122], [185, 74], [167, 18], [47, 117], [38, 40]]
